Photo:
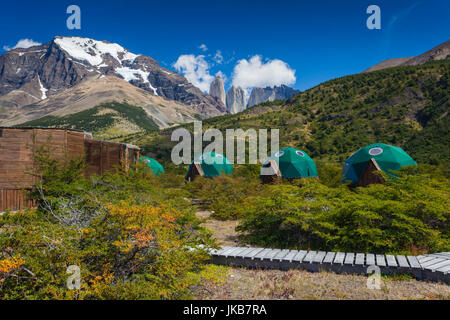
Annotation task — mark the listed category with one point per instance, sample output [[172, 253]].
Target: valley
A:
[[142, 235]]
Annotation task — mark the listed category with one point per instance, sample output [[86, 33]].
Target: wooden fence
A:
[[17, 165]]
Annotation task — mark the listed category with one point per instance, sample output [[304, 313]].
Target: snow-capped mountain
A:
[[109, 58], [28, 76]]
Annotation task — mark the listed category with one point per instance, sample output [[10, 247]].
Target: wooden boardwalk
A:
[[433, 267]]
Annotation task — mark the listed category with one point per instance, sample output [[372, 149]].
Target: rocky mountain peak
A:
[[217, 89], [66, 61], [235, 100], [260, 95]]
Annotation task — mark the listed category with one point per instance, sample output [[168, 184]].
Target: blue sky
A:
[[318, 39]]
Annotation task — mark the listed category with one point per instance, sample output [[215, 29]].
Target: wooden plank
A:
[[444, 269], [253, 253], [290, 256], [281, 254], [359, 260], [244, 253], [222, 250], [309, 257], [339, 258], [300, 256], [423, 259], [370, 259], [413, 262], [262, 253], [381, 261], [447, 254], [229, 251], [402, 261], [440, 255], [329, 257], [437, 265], [319, 257], [238, 252], [391, 262], [349, 258], [271, 254], [432, 262]]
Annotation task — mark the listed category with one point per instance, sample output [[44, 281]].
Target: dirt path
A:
[[241, 283], [224, 231]]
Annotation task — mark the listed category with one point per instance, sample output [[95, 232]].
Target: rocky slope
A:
[[94, 90], [390, 63], [28, 76], [235, 100], [441, 52], [260, 95]]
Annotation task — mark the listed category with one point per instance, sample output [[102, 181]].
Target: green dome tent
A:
[[209, 165], [289, 163], [379, 156], [153, 165]]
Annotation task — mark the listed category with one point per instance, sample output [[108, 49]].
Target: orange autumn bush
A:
[[126, 239], [8, 266], [128, 252]]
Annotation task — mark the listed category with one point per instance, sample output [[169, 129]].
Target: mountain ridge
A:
[[29, 76], [440, 52], [261, 95]]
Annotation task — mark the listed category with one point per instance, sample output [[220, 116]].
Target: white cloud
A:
[[203, 47], [255, 73], [218, 58], [23, 43], [195, 69]]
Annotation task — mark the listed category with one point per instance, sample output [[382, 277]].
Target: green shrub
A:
[[409, 215], [228, 195]]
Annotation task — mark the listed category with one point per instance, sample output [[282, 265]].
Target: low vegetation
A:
[[128, 233], [250, 284], [135, 236], [403, 106], [408, 215]]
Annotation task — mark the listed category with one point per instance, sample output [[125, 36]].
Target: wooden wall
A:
[[102, 156], [17, 146], [14, 199], [371, 175]]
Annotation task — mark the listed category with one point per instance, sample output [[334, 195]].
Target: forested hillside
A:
[[107, 121], [404, 106]]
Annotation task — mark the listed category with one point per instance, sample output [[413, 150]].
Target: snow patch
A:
[[22, 53], [43, 90], [92, 51], [132, 74]]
